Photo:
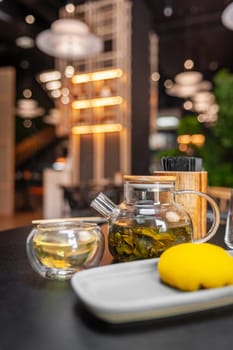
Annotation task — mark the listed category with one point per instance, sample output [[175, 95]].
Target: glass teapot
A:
[[149, 220]]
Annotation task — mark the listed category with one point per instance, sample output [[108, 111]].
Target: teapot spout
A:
[[104, 205]]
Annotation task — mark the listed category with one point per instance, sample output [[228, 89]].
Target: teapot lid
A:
[[150, 178]]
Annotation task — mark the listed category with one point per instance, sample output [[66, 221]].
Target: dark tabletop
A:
[[40, 314]]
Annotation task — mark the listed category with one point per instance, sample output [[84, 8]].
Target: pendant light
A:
[[69, 38]]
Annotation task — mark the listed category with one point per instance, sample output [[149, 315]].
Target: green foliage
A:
[[172, 152], [189, 125], [217, 162], [223, 130], [218, 150], [217, 153]]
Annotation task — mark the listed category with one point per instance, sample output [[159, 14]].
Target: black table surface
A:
[[40, 314]]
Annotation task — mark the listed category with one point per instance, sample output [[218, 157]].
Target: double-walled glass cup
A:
[[58, 250]]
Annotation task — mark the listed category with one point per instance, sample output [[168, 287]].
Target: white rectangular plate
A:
[[132, 291]]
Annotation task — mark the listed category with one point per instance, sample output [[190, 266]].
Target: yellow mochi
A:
[[192, 266]]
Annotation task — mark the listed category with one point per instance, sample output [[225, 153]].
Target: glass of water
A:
[[228, 239]]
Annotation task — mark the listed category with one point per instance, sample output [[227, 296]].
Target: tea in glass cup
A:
[[58, 250]]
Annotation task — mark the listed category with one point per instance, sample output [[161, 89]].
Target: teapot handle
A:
[[216, 214]]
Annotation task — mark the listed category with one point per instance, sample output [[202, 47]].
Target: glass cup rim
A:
[[67, 224]]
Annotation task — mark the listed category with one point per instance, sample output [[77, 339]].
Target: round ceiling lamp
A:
[[204, 101], [28, 108], [227, 16], [182, 91], [187, 85], [188, 78], [204, 96], [49, 75], [25, 42], [69, 39]]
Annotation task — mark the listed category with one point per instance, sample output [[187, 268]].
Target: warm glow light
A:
[[96, 128], [102, 75], [27, 123], [195, 139], [184, 139], [214, 108], [81, 104], [168, 83], [27, 93], [53, 85], [183, 148], [188, 90], [188, 64], [108, 74], [207, 118], [97, 102], [56, 93], [106, 101], [49, 75], [69, 38], [25, 42], [188, 78], [198, 139], [81, 78], [188, 105], [202, 106], [183, 91], [65, 91], [227, 16], [70, 8], [155, 76], [203, 101], [29, 19], [204, 96], [69, 71], [28, 108], [65, 100]]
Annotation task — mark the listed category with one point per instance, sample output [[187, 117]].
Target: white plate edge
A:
[[204, 299]]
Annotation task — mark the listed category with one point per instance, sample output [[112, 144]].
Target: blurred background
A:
[[93, 90]]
